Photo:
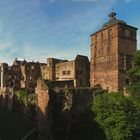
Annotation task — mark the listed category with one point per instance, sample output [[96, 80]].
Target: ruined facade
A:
[[112, 51], [76, 70], [23, 74], [62, 114], [63, 70]]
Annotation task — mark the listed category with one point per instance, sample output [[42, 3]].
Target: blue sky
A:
[[38, 29]]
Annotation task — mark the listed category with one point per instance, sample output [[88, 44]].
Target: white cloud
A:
[[127, 1]]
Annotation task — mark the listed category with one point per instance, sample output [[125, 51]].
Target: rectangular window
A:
[[68, 72], [102, 39], [109, 37], [96, 38], [110, 31], [95, 51], [63, 72]]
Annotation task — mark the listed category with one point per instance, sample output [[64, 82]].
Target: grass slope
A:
[[13, 126]]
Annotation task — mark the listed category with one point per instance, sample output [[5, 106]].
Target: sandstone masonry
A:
[[112, 51], [23, 74]]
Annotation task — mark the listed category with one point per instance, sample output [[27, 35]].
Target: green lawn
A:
[[13, 126]]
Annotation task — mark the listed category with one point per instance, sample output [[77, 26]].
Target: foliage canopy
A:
[[133, 75], [117, 115]]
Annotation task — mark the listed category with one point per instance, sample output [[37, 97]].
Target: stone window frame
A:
[[95, 51], [102, 38], [109, 36], [127, 32], [63, 72], [96, 38], [66, 72]]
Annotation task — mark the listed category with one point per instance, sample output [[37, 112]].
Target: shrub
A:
[[22, 96]]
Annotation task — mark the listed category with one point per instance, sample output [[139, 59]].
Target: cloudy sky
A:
[[38, 29]]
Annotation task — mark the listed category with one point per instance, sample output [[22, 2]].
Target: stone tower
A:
[[43, 114], [4, 82], [112, 51]]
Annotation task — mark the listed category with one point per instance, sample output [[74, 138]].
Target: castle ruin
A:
[[112, 52], [24, 75]]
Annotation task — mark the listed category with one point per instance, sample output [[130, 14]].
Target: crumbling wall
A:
[[69, 108], [62, 110], [43, 114], [6, 98]]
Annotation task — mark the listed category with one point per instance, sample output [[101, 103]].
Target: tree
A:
[[117, 115], [133, 74], [137, 58]]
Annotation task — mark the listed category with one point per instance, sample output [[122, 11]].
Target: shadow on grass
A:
[[13, 126]]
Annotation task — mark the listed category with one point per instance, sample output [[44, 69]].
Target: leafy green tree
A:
[[137, 58], [133, 75], [117, 115]]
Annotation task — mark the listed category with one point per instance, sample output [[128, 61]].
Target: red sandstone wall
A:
[[44, 123], [109, 53], [104, 59]]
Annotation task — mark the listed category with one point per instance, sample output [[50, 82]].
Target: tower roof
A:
[[112, 20]]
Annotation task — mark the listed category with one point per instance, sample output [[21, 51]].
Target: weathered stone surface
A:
[[112, 51], [69, 110], [23, 74], [61, 110], [63, 70], [43, 116], [6, 98]]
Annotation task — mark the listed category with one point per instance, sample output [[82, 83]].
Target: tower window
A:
[[96, 38], [102, 39], [127, 33], [109, 37], [95, 51], [109, 33]]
